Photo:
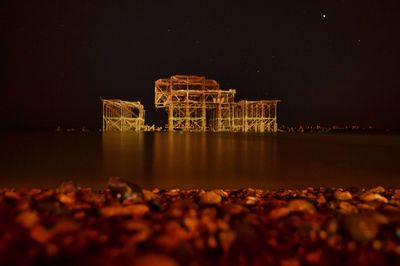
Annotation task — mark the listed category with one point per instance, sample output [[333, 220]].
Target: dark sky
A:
[[330, 62]]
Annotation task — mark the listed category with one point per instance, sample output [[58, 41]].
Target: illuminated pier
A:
[[194, 103], [121, 115]]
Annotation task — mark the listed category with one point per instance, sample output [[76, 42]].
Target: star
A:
[[323, 15]]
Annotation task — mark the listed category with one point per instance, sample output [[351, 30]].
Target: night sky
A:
[[330, 62]]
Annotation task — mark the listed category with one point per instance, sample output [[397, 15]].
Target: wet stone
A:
[[321, 200], [66, 199], [198, 227], [40, 234], [342, 195], [28, 219], [221, 192], [124, 190], [363, 228], [11, 197], [226, 238], [210, 198], [279, 213], [314, 257], [369, 197], [378, 189], [250, 200], [135, 210], [299, 205], [347, 208], [236, 209]]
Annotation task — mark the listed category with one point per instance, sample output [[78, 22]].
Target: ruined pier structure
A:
[[194, 103], [121, 115]]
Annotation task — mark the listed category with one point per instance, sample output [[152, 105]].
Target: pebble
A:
[[373, 197], [66, 199], [363, 228], [172, 192], [28, 219], [342, 195], [250, 200], [40, 234], [221, 192], [321, 200], [51, 249], [65, 226], [11, 195], [236, 209], [377, 244], [191, 223], [323, 235], [279, 213], [391, 208], [212, 242], [246, 226], [378, 189], [136, 210], [226, 238], [124, 190], [299, 205], [210, 198], [364, 206], [347, 208], [332, 227], [314, 257], [149, 195], [88, 196]]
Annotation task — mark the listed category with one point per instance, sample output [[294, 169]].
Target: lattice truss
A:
[[194, 103], [258, 116], [121, 115]]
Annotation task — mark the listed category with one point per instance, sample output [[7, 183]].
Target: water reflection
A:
[[190, 159], [123, 154], [166, 160]]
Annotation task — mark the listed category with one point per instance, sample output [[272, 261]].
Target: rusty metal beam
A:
[[119, 115], [195, 103]]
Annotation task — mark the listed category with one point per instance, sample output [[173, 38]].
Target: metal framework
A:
[[194, 103], [121, 115], [258, 116]]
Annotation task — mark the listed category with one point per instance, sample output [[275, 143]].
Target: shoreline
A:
[[125, 223]]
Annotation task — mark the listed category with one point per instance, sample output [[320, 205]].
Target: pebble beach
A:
[[129, 225]]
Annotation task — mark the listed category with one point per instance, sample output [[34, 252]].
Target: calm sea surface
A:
[[201, 160]]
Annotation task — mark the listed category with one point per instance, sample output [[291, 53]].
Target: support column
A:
[[104, 123], [203, 113], [120, 117], [219, 124], [187, 114], [262, 124], [245, 126], [170, 117], [275, 119]]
